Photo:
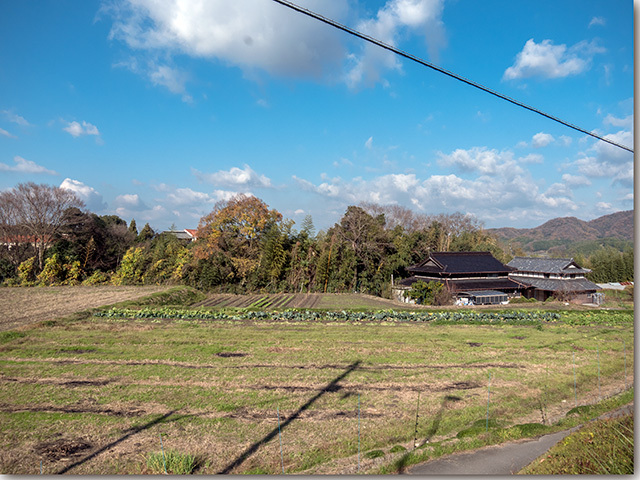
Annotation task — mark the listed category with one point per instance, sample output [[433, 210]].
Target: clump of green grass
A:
[[176, 463], [10, 335], [374, 454], [604, 447], [478, 427]]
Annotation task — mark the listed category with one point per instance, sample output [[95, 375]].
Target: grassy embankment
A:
[[93, 395], [604, 447]]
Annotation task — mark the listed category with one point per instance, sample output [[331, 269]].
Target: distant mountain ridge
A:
[[617, 225]]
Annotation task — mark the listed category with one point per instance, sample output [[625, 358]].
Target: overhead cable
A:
[[409, 56]]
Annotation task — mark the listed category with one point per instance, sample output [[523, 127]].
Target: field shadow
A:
[[402, 463], [132, 431], [330, 387]]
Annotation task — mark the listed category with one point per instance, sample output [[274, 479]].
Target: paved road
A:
[[502, 459]]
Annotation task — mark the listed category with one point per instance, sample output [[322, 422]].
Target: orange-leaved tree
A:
[[235, 228]]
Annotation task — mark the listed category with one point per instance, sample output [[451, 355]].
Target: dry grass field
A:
[[107, 395], [23, 306]]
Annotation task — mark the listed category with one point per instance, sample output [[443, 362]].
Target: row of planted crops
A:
[[444, 317]]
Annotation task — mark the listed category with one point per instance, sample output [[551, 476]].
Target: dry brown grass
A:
[[27, 305]]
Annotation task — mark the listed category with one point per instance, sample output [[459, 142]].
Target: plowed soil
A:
[[336, 301], [26, 305]]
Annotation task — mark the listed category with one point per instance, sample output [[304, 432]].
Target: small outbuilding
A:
[[483, 297]]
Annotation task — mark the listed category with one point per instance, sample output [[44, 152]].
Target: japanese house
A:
[[477, 276], [559, 277]]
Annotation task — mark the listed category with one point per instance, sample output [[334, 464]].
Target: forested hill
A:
[[571, 233]]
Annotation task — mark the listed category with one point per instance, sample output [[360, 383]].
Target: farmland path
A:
[[508, 458]]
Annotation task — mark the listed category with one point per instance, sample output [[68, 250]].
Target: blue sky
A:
[[157, 110]]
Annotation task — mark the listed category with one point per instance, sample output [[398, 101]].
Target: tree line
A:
[[47, 237]]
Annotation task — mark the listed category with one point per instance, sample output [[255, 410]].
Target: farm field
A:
[[279, 301], [100, 395], [20, 306]]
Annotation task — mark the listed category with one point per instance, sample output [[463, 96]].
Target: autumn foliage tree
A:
[[235, 228]]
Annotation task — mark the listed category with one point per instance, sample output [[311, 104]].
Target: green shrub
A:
[[27, 271], [131, 269], [97, 278], [176, 463]]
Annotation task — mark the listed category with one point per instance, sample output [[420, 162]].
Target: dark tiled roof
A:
[[554, 285], [460, 262], [546, 265]]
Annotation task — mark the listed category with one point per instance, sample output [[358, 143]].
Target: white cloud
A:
[[76, 129], [597, 21], [187, 196], [369, 143], [236, 177], [171, 78], [4, 133], [546, 60], [396, 17], [531, 158], [262, 35], [575, 180], [481, 160], [604, 208], [25, 166], [564, 140], [609, 161], [17, 119], [541, 139], [499, 188], [92, 199], [130, 201], [626, 122], [248, 34]]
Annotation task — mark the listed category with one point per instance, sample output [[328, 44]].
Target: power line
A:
[[409, 56]]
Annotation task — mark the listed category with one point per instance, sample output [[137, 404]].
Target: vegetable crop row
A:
[[516, 317]]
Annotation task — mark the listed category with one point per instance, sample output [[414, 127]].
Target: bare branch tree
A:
[[37, 211]]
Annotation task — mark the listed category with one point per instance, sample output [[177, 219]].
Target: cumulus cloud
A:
[[261, 35], [604, 208], [92, 199], [541, 139], [396, 17], [609, 161], [575, 180], [626, 122], [235, 177], [497, 188], [547, 60], [76, 129], [130, 201], [25, 166], [480, 160], [248, 34], [187, 196]]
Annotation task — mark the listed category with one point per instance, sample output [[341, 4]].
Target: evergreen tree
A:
[[132, 228], [145, 234]]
